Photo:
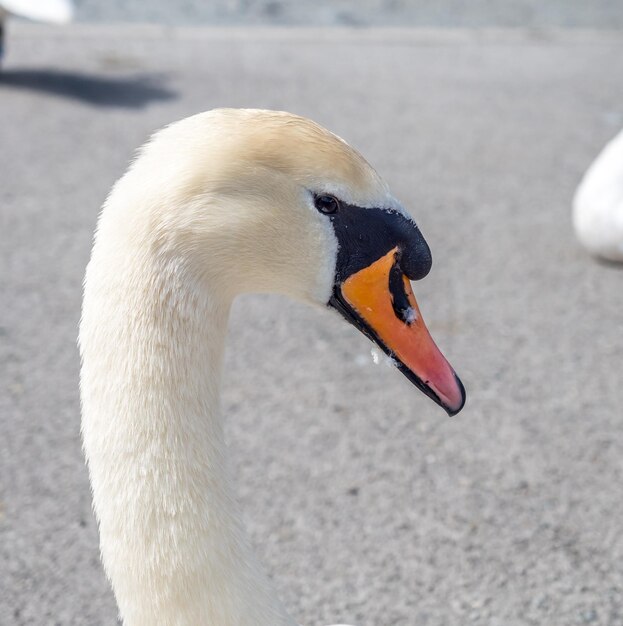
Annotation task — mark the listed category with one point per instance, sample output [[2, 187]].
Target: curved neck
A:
[[171, 537]]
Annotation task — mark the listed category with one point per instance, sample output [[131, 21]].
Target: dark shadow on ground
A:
[[617, 266], [133, 92]]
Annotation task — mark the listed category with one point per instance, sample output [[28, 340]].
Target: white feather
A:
[[598, 204]]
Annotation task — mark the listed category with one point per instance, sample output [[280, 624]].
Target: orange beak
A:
[[379, 300]]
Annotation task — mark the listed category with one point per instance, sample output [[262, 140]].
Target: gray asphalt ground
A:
[[367, 504]]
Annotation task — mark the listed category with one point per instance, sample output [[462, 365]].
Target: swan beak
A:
[[379, 301]]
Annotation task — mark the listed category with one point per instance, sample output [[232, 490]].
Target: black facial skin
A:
[[364, 236]]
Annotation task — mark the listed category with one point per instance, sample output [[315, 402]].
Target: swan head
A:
[[269, 201]]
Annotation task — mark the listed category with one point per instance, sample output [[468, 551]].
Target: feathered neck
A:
[[152, 339]]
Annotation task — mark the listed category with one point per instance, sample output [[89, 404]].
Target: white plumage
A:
[[53, 11], [598, 204]]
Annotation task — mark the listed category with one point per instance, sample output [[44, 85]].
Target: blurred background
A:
[[426, 13], [367, 505]]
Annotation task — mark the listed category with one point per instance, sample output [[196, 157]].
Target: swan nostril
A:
[[400, 301], [416, 259]]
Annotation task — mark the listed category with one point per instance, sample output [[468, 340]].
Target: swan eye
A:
[[327, 204]]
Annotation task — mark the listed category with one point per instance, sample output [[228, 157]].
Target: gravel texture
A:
[[367, 505]]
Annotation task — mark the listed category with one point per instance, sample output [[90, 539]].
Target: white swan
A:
[[219, 203], [598, 204], [52, 11]]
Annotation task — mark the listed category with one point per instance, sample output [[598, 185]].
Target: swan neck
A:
[[171, 537]]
